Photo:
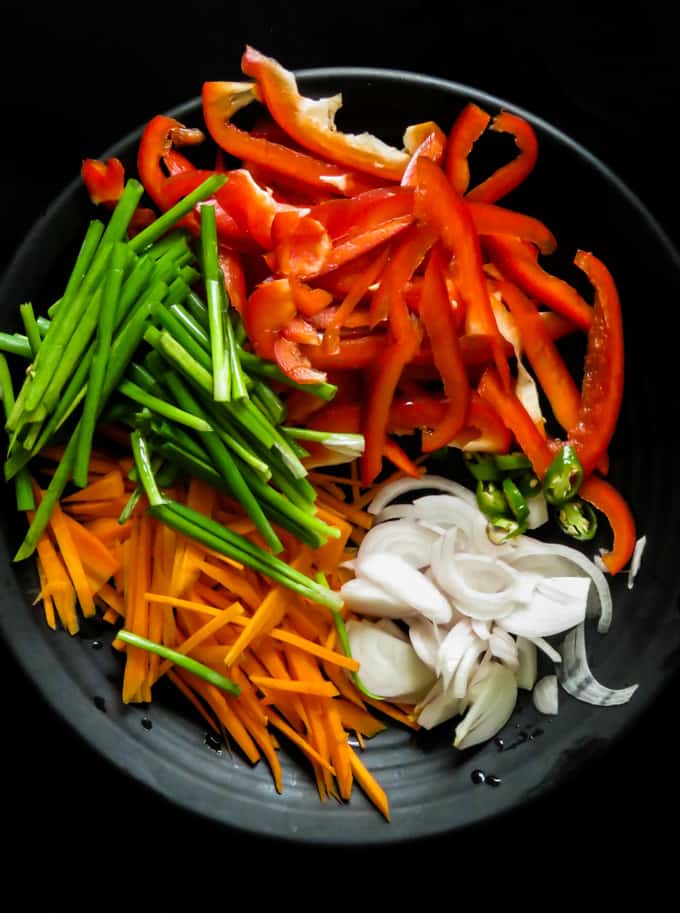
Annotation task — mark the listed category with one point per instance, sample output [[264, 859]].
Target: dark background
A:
[[72, 84]]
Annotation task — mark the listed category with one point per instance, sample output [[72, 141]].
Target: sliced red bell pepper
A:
[[485, 432], [158, 138], [301, 332], [104, 181], [221, 100], [516, 264], [605, 498], [396, 454], [407, 253], [437, 203], [356, 293], [355, 215], [269, 308], [513, 414], [294, 364], [490, 219], [544, 357], [231, 265], [466, 130], [426, 139], [229, 231], [301, 246], [384, 378], [602, 387], [349, 249], [311, 123], [251, 206], [440, 325], [309, 301], [509, 176]]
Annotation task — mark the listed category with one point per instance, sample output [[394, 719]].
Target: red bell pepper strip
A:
[[383, 382], [294, 364], [221, 100], [466, 130], [349, 216], [406, 256], [428, 140], [440, 325], [158, 138], [269, 308], [303, 120], [602, 387], [302, 332], [301, 245], [104, 181], [179, 185], [395, 454], [605, 498], [512, 412], [437, 203], [509, 176], [309, 301], [356, 245], [234, 276], [358, 290], [490, 219], [251, 206], [544, 357], [517, 265]]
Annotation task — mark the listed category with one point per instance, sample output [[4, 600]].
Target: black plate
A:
[[429, 784]]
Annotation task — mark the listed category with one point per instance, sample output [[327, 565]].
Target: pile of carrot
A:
[[280, 649]]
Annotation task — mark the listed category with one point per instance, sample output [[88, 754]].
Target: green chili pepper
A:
[[482, 467], [516, 500], [510, 462], [577, 519], [491, 499], [500, 529], [527, 483], [564, 476]]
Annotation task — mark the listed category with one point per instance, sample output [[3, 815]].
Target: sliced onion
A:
[[395, 512], [504, 647], [636, 560], [480, 586], [387, 625], [546, 648], [555, 606], [425, 640], [446, 511], [545, 696], [405, 584], [438, 706], [402, 538], [452, 649], [466, 667], [482, 628], [364, 597], [389, 666], [577, 679], [538, 511], [528, 662], [543, 554], [492, 700], [404, 486]]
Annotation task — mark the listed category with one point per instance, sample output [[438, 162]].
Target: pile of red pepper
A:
[[374, 267]]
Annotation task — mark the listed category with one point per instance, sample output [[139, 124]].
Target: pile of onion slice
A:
[[452, 623]]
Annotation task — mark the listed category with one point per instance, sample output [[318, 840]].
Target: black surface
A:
[[79, 81]]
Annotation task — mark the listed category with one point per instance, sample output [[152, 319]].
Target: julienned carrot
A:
[[224, 617], [106, 488], [369, 784], [318, 688]]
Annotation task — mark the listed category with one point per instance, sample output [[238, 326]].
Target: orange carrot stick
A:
[[298, 686], [107, 488], [369, 784]]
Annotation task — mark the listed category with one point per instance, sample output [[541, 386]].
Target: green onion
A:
[[161, 407], [213, 295], [179, 659], [22, 484], [31, 327], [81, 267]]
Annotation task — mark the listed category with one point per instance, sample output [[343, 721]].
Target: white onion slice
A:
[[402, 538], [404, 486], [481, 586], [577, 679], [555, 606], [438, 706], [387, 625], [546, 648], [395, 512], [528, 663], [504, 647], [452, 649], [600, 603], [406, 584], [545, 696], [364, 597], [636, 560], [466, 667], [481, 628], [492, 700], [389, 666], [447, 511], [538, 511], [425, 640]]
